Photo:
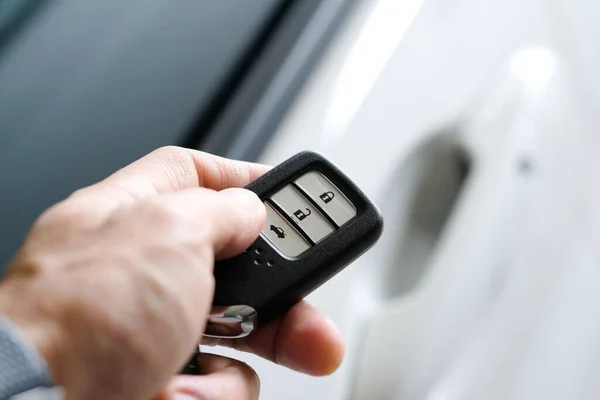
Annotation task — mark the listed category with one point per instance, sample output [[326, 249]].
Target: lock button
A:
[[303, 213], [331, 200]]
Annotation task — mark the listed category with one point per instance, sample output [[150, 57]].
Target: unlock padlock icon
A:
[[301, 214], [327, 197]]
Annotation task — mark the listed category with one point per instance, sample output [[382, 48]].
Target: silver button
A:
[[283, 236], [303, 213], [327, 196]]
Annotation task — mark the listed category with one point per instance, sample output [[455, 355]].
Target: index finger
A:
[[171, 168]]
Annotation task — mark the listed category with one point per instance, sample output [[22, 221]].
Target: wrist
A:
[[26, 313]]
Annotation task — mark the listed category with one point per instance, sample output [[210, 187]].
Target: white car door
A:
[[472, 125]]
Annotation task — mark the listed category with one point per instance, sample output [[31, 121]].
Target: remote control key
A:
[[307, 199]]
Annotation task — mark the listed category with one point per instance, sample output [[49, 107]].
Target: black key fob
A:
[[318, 222]]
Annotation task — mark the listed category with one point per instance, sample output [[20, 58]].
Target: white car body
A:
[[499, 300]]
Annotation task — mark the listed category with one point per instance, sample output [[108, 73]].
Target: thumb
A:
[[230, 219], [247, 218]]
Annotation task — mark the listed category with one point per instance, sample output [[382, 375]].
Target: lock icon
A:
[[327, 197], [301, 215]]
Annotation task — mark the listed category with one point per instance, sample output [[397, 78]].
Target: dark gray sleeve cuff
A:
[[21, 366]]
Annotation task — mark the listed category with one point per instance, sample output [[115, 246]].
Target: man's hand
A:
[[114, 283]]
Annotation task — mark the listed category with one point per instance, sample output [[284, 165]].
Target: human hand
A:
[[113, 284]]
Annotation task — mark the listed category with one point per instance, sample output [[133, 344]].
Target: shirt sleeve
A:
[[21, 366]]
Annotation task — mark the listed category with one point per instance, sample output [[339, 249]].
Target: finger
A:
[[304, 340], [251, 219], [229, 220], [171, 168], [221, 378]]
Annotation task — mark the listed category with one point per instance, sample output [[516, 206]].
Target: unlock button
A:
[[303, 213], [282, 234]]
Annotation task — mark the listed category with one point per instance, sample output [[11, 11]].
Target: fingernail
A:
[[247, 203], [244, 198]]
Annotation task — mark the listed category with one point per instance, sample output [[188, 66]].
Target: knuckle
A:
[[79, 193], [63, 213], [229, 172], [169, 150], [30, 263], [168, 224], [70, 217], [179, 166]]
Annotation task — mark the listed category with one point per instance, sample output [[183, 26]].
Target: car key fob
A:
[[318, 222]]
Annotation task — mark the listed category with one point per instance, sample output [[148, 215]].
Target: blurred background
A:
[[471, 123]]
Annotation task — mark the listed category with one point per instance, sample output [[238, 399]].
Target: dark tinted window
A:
[[88, 86]]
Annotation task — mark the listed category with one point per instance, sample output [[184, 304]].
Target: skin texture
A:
[[113, 284]]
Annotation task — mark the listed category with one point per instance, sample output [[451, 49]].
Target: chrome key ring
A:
[[230, 322], [225, 322]]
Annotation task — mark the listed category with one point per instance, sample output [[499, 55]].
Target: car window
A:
[[87, 87]]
